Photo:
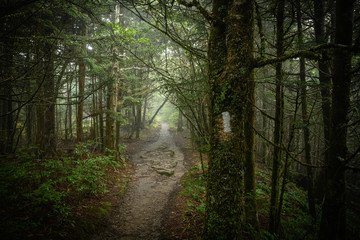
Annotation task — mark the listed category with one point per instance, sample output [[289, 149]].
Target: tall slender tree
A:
[[279, 119], [112, 94], [81, 84], [305, 117]]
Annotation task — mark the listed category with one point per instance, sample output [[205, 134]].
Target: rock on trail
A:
[[158, 168]]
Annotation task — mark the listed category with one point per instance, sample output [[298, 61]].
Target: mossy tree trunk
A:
[[230, 54], [333, 222]]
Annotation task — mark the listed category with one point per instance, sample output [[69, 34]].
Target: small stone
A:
[[165, 172]]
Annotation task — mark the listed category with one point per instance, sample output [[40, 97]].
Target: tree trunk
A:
[[217, 225], [6, 75], [279, 119], [287, 163], [324, 79], [157, 111], [250, 183], [50, 99], [118, 126], [112, 96], [94, 109], [138, 120], [40, 112], [144, 111], [305, 117], [333, 221], [80, 110], [101, 119], [180, 122], [230, 55]]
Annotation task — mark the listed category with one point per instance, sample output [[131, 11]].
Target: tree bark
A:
[[50, 99], [231, 45], [333, 221], [112, 97], [101, 119], [138, 120], [180, 122], [279, 119], [80, 110], [144, 111], [249, 181], [40, 112]]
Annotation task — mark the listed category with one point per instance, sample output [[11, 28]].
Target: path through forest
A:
[[158, 169]]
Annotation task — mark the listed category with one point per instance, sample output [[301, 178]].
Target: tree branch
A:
[[310, 53], [207, 15]]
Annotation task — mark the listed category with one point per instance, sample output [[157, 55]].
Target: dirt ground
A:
[[151, 207], [179, 222]]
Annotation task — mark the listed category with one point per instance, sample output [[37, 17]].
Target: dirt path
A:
[[158, 169]]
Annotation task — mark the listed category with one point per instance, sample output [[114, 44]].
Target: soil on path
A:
[[158, 168]]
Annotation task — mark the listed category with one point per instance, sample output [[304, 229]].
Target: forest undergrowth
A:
[[68, 197], [53, 198], [296, 222]]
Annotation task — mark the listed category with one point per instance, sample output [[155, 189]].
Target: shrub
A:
[[40, 195]]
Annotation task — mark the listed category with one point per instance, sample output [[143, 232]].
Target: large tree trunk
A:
[[216, 221], [279, 119], [230, 45], [333, 222]]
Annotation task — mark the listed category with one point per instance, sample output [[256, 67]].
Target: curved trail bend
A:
[[158, 169]]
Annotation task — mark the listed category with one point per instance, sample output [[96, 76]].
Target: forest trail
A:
[[158, 169]]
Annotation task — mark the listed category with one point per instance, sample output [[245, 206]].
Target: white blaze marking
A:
[[226, 121]]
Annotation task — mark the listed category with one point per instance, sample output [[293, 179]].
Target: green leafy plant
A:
[[194, 187], [42, 191]]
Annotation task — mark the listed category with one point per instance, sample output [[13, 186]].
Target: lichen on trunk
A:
[[230, 54]]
